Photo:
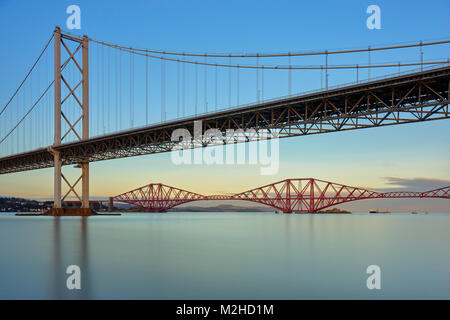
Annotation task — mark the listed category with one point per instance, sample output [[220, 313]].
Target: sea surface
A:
[[226, 256]]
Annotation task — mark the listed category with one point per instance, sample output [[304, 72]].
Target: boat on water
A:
[[379, 211], [414, 212]]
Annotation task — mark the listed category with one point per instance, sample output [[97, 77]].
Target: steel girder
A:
[[415, 97]]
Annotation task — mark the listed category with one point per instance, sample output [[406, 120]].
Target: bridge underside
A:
[[416, 97]]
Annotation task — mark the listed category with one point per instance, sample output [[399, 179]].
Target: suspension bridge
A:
[[89, 100], [291, 195]]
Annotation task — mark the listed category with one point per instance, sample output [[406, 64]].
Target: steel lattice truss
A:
[[414, 97], [290, 195], [157, 197]]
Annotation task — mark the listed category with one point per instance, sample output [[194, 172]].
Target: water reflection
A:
[[61, 246], [225, 256], [57, 271], [85, 280]]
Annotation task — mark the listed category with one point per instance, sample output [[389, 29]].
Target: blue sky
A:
[[369, 158]]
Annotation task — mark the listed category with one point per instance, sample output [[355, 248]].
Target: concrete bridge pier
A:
[[111, 204]]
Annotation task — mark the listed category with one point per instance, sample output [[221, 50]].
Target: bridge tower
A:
[[60, 44]]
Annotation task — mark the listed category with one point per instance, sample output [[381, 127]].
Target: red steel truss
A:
[[306, 195], [157, 197]]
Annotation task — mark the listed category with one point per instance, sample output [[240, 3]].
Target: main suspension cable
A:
[[229, 65], [420, 44], [26, 77], [145, 52], [26, 114]]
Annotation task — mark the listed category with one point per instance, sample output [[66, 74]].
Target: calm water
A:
[[226, 256]]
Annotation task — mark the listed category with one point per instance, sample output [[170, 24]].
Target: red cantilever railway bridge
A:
[[290, 195]]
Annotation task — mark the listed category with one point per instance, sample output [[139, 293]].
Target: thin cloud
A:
[[414, 184]]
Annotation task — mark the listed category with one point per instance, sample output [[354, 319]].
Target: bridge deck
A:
[[413, 97]]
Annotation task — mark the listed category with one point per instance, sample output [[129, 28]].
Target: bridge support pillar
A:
[[85, 185], [60, 41], [111, 204], [85, 115], [57, 179], [57, 107]]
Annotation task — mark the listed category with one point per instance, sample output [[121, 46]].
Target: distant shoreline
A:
[[226, 208]]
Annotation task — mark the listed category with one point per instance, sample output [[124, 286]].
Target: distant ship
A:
[[414, 212], [379, 211]]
